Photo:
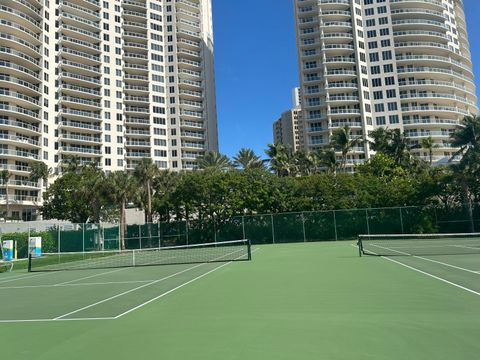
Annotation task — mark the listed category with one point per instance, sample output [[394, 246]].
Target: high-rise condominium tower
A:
[[108, 81], [394, 63]]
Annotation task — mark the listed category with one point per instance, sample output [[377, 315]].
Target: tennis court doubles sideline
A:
[[108, 292]]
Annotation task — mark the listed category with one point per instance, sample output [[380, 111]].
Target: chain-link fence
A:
[[260, 229]]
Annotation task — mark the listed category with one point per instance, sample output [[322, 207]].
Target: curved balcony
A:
[[20, 199], [435, 110], [18, 154], [10, 68], [19, 112], [430, 122], [23, 127], [23, 141], [435, 5], [16, 169], [21, 184], [20, 18]]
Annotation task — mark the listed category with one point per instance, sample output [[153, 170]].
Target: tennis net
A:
[[419, 244], [187, 254]]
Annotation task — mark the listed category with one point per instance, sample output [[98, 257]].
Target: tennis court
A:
[[292, 301]]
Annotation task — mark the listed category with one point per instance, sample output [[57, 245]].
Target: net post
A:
[[29, 262], [360, 246], [249, 249], [133, 257]]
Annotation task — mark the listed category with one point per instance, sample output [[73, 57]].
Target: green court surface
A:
[[294, 301]]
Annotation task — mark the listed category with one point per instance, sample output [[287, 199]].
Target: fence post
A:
[[186, 230], [303, 226], [214, 231], [140, 237], [58, 239], [401, 221], [243, 227], [273, 230], [368, 222], [83, 238], [159, 229], [335, 224]]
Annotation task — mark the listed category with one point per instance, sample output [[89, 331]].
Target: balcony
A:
[[75, 126], [19, 154]]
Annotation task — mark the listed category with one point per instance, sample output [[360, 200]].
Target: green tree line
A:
[[284, 182]]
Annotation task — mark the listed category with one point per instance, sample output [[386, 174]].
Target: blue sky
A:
[[256, 67]]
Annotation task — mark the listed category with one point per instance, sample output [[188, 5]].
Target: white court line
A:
[[74, 285], [466, 247], [176, 288], [61, 318], [23, 277], [171, 290], [428, 274], [127, 292], [427, 259], [89, 277], [51, 320]]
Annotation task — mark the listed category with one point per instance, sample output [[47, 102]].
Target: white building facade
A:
[[400, 64], [110, 82]]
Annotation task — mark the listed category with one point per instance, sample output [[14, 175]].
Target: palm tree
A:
[[40, 171], [429, 144], [123, 189], [304, 163], [145, 173], [246, 159], [215, 161], [328, 160], [466, 137], [280, 159], [5, 176], [393, 143], [71, 163], [343, 141]]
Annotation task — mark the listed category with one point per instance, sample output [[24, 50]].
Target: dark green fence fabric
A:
[[260, 229]]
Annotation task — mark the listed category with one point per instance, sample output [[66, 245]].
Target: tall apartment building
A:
[[287, 130], [108, 81], [400, 64]]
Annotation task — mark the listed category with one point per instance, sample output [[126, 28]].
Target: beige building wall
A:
[[110, 82], [287, 129]]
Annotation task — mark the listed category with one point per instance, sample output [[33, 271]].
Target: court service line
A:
[[74, 285], [89, 277], [466, 247], [128, 291], [51, 320], [431, 260], [176, 288], [428, 274], [23, 277]]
